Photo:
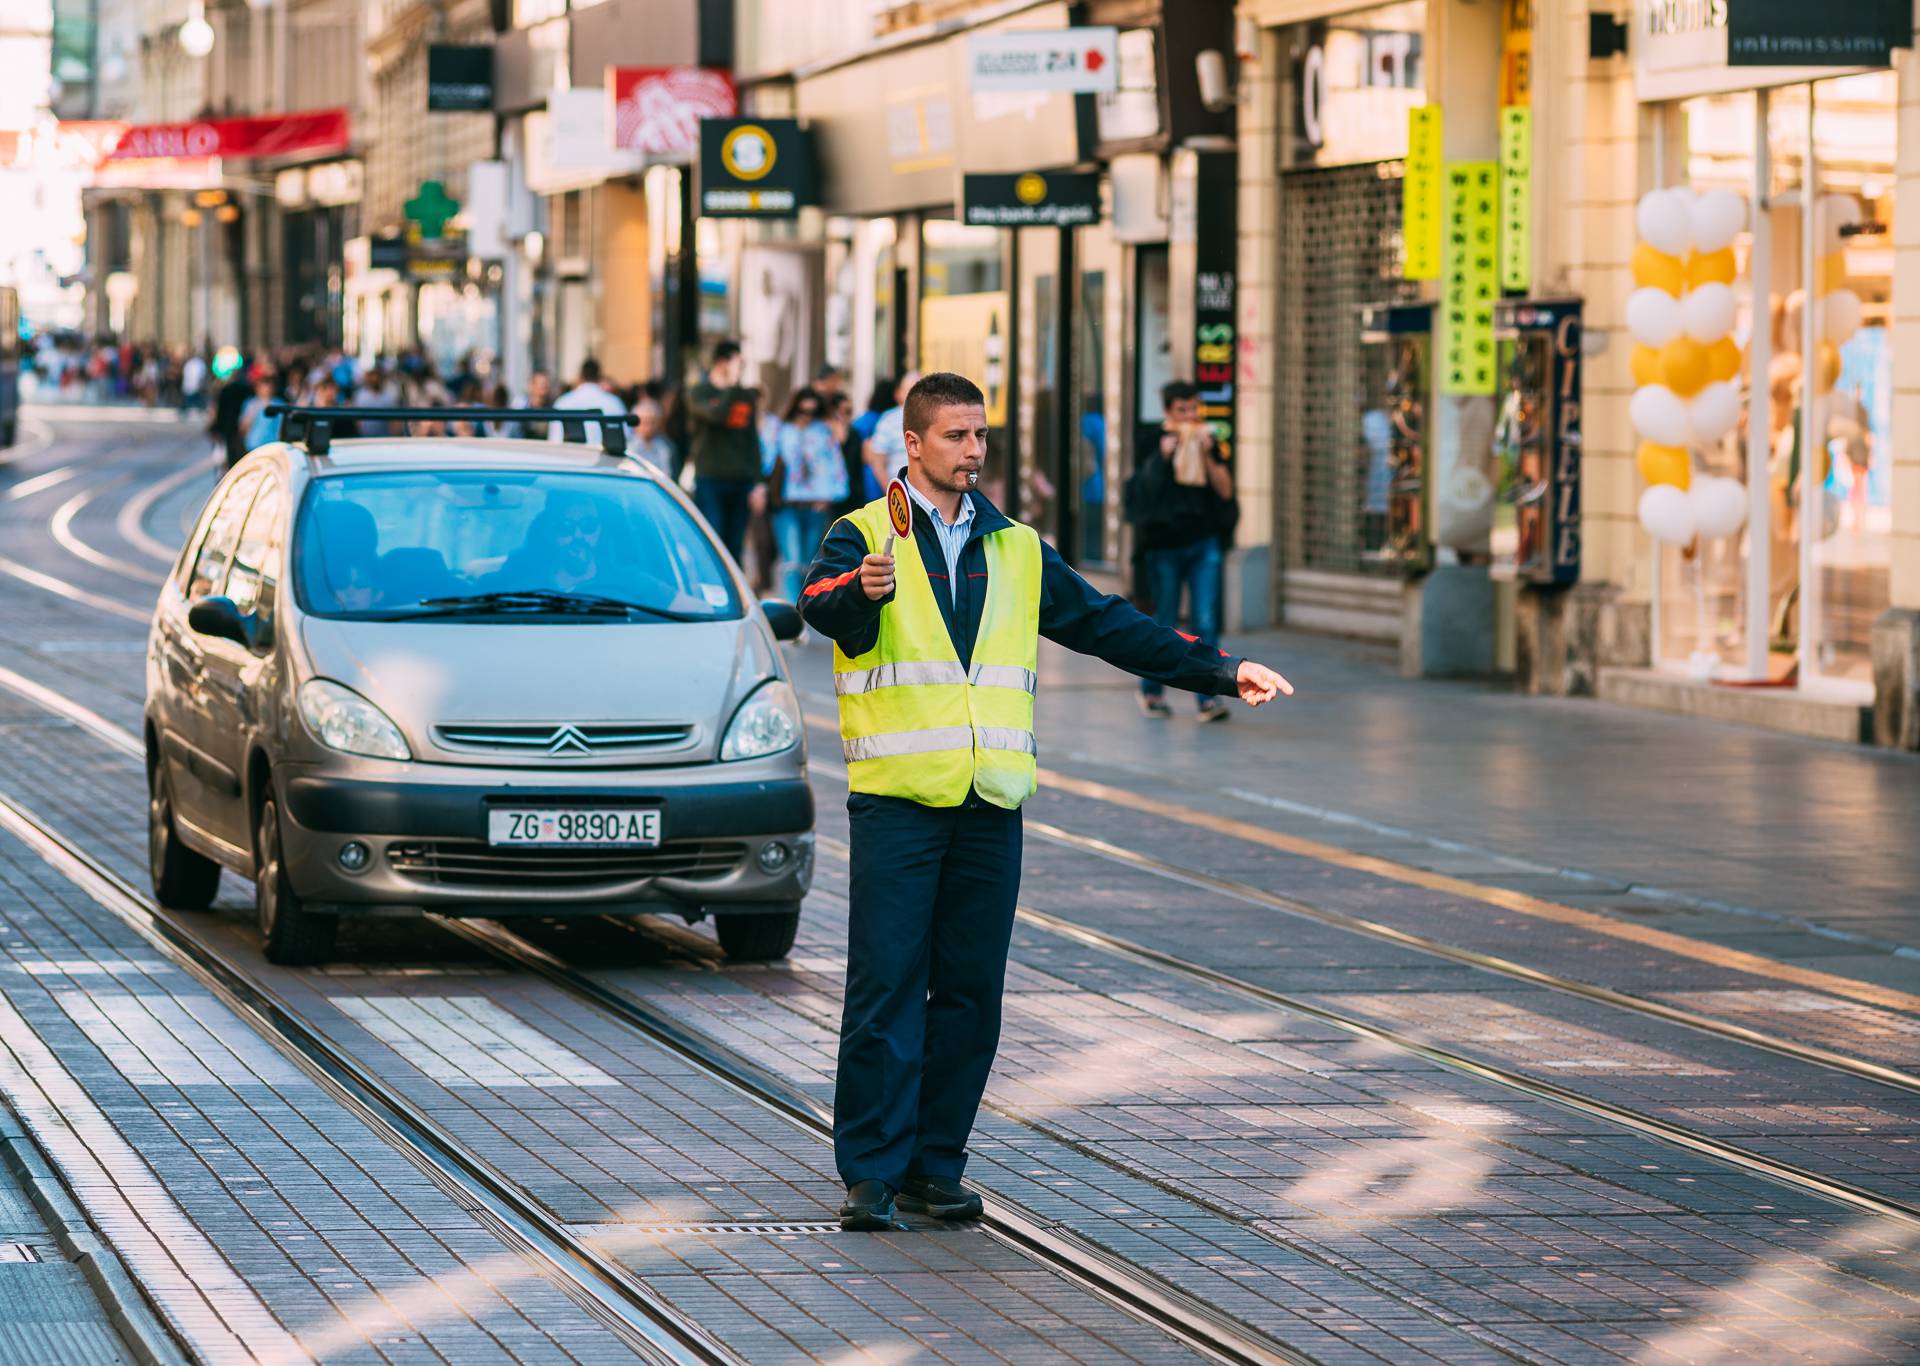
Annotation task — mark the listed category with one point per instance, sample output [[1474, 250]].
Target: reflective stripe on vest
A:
[[921, 673], [1004, 676], [896, 743], [917, 724]]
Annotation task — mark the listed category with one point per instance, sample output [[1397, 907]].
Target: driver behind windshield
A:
[[350, 558], [562, 550]]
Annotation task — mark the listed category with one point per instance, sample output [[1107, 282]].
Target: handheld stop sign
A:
[[899, 513]]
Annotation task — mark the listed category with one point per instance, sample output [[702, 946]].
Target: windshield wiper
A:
[[539, 600]]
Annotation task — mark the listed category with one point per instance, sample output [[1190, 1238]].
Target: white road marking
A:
[[62, 528], [61, 588], [118, 736], [132, 522], [26, 488]]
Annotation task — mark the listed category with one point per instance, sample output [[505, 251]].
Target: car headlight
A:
[[342, 719], [766, 723]]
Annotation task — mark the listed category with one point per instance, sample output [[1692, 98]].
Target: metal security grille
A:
[[1340, 249]]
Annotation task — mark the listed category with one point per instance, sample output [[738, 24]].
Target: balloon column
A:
[[1685, 361], [1840, 310]]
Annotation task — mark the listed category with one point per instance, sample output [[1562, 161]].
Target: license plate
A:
[[569, 826]]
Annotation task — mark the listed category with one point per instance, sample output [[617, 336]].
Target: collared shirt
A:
[[953, 539]]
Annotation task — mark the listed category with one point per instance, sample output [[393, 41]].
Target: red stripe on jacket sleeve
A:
[[819, 586]]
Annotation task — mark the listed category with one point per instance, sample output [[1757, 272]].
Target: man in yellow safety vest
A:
[[935, 664]]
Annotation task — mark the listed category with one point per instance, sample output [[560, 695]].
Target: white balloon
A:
[[1716, 219], [1659, 414], [1719, 505], [1707, 313], [1841, 313], [1653, 316], [1667, 514], [1663, 220], [1713, 413]]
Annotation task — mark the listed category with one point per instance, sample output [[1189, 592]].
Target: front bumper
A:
[[735, 845]]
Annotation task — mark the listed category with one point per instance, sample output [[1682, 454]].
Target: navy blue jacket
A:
[[1073, 612]]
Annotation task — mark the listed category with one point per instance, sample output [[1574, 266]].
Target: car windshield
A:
[[454, 543]]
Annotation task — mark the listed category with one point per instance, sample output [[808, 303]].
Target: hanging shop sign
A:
[[273, 135], [1516, 198], [1536, 441], [1469, 278], [657, 109], [459, 79], [1352, 86], [1216, 247], [1805, 33], [1077, 61], [756, 168], [1516, 51], [1421, 194], [1060, 199]]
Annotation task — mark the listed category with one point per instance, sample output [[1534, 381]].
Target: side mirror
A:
[[219, 618], [784, 618]]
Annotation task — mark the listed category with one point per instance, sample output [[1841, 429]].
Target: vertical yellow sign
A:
[[1470, 277], [1516, 198], [1420, 194]]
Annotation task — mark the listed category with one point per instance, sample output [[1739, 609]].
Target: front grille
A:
[[564, 739], [471, 863]]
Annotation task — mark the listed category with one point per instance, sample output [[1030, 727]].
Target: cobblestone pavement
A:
[[1353, 1200]]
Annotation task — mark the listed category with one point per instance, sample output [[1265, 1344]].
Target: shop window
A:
[[1793, 594]]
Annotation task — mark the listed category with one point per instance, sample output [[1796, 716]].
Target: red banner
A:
[[657, 109], [270, 135]]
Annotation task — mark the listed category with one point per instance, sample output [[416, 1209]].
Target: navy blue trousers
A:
[[931, 919]]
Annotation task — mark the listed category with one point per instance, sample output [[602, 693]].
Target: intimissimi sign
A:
[[1683, 48]]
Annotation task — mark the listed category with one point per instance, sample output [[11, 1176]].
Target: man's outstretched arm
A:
[[1075, 614]]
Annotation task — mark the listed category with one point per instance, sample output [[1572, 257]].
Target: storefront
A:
[[1812, 156]]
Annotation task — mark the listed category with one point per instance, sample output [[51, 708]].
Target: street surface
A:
[[1400, 1022]]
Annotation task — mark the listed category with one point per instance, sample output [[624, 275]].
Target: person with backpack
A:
[[1180, 501]]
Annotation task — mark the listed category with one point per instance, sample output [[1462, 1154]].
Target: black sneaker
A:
[[940, 1197], [869, 1208], [1213, 709], [1155, 707]]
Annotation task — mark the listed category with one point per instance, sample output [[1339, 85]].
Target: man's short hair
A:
[[589, 371], [725, 350], [1177, 391], [941, 389]]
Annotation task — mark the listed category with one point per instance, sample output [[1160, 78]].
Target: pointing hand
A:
[[1260, 684]]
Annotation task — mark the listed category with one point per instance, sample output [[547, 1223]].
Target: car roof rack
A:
[[314, 427]]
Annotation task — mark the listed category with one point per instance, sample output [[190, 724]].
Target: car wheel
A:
[[295, 936], [183, 880], [757, 936]]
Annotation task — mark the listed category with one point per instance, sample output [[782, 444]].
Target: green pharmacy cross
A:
[[432, 208]]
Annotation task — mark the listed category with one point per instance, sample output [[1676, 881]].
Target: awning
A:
[[270, 135]]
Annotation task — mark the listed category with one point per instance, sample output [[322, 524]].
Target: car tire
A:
[[183, 880], [757, 936], [292, 935]]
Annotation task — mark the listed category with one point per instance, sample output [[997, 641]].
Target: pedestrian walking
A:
[[725, 454], [936, 652], [887, 443], [588, 395], [808, 478], [227, 425], [1180, 501]]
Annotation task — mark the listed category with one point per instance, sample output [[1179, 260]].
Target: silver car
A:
[[474, 677]]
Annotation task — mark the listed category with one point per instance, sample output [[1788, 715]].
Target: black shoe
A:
[[869, 1207], [940, 1197], [1155, 707]]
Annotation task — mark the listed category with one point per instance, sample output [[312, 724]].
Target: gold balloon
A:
[[1724, 359], [1646, 366], [1830, 273], [1683, 366], [1711, 268], [1665, 465], [1826, 372], [1654, 269]]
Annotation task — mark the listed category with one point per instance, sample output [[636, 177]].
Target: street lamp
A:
[[196, 35]]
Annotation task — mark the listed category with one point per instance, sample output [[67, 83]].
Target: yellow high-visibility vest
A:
[[916, 723]]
